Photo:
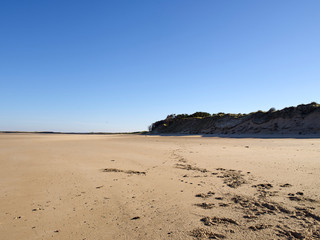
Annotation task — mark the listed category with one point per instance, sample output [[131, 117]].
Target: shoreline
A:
[[250, 135]]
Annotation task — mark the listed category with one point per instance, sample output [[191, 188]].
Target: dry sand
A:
[[155, 187]]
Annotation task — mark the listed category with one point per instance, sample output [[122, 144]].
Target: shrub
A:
[[182, 116], [200, 114]]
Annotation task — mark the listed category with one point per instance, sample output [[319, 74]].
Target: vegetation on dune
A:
[[258, 116]]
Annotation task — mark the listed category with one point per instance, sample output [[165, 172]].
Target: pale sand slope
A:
[[53, 187]]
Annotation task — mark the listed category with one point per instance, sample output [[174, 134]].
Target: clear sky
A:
[[120, 65]]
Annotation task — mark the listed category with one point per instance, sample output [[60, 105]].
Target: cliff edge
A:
[[302, 119]]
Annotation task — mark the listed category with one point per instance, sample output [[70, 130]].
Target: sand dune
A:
[[158, 187]]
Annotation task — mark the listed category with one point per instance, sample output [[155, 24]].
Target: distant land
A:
[[302, 119]]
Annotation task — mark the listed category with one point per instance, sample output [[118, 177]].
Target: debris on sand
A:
[[190, 168], [263, 186], [259, 227], [299, 198], [259, 207], [264, 194], [36, 209], [201, 233], [286, 185], [205, 195], [215, 220], [205, 205], [223, 204], [123, 171], [232, 178], [286, 232]]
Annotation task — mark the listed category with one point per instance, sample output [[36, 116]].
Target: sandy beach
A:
[[59, 186]]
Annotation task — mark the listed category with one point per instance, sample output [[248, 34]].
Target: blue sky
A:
[[121, 65]]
